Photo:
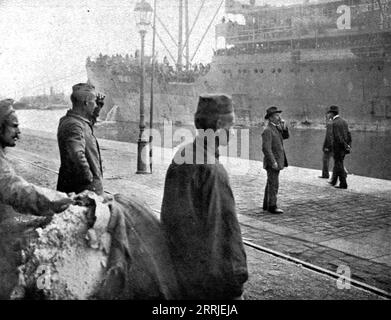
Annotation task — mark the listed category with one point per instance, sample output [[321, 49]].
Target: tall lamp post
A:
[[143, 13], [152, 78]]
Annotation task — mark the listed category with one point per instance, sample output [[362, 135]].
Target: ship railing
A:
[[261, 36], [376, 46], [251, 31], [319, 41]]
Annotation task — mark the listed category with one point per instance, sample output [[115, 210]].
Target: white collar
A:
[[337, 116]]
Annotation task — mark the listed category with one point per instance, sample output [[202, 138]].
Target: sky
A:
[[45, 43]]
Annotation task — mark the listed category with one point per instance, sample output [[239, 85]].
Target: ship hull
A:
[[303, 88]]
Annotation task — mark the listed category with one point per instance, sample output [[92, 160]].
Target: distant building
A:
[[44, 101]]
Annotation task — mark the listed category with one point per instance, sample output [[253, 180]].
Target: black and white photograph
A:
[[195, 154]]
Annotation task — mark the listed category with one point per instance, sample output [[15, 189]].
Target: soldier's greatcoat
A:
[[16, 194], [81, 165], [199, 217]]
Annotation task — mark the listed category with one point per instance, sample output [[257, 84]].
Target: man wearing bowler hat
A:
[[274, 156], [81, 165], [341, 145], [198, 210]]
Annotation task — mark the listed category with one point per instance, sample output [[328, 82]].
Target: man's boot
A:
[[275, 210], [342, 183]]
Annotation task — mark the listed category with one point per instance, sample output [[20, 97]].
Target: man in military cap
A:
[[23, 206], [274, 156], [16, 194], [341, 145], [198, 210], [81, 165]]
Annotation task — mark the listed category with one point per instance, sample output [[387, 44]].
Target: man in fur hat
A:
[[198, 211], [16, 194], [23, 205], [274, 157]]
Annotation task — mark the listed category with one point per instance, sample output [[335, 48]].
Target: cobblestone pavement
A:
[[321, 225], [314, 218]]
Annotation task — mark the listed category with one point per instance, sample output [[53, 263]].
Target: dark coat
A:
[[199, 216], [273, 146], [81, 166], [341, 136], [328, 139]]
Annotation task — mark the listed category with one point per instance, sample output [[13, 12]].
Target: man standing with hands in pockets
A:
[[274, 156]]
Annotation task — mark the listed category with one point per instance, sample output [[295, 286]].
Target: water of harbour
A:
[[371, 155]]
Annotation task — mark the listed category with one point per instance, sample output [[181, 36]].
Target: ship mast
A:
[[183, 11], [187, 42], [381, 14], [184, 48], [180, 34]]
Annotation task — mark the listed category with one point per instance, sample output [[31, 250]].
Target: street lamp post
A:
[[152, 79], [143, 13]]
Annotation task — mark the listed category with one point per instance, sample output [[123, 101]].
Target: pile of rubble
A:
[[95, 250], [68, 259]]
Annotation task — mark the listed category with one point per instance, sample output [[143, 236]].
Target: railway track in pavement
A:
[[250, 244]]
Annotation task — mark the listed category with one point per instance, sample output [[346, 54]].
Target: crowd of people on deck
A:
[[164, 71]]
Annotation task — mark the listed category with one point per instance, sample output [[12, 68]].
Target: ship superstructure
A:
[[301, 57]]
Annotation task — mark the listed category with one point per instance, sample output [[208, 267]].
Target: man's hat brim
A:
[[271, 113], [334, 109]]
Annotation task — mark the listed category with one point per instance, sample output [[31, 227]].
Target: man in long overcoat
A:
[[274, 157], [81, 164], [341, 142], [327, 147], [198, 210]]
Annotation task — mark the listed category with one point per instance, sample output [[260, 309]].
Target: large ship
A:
[[301, 57]]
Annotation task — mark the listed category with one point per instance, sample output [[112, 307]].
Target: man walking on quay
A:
[[198, 210], [274, 157], [327, 147], [81, 164], [16, 193], [341, 142]]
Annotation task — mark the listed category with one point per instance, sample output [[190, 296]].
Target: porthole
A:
[[255, 70], [279, 70]]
